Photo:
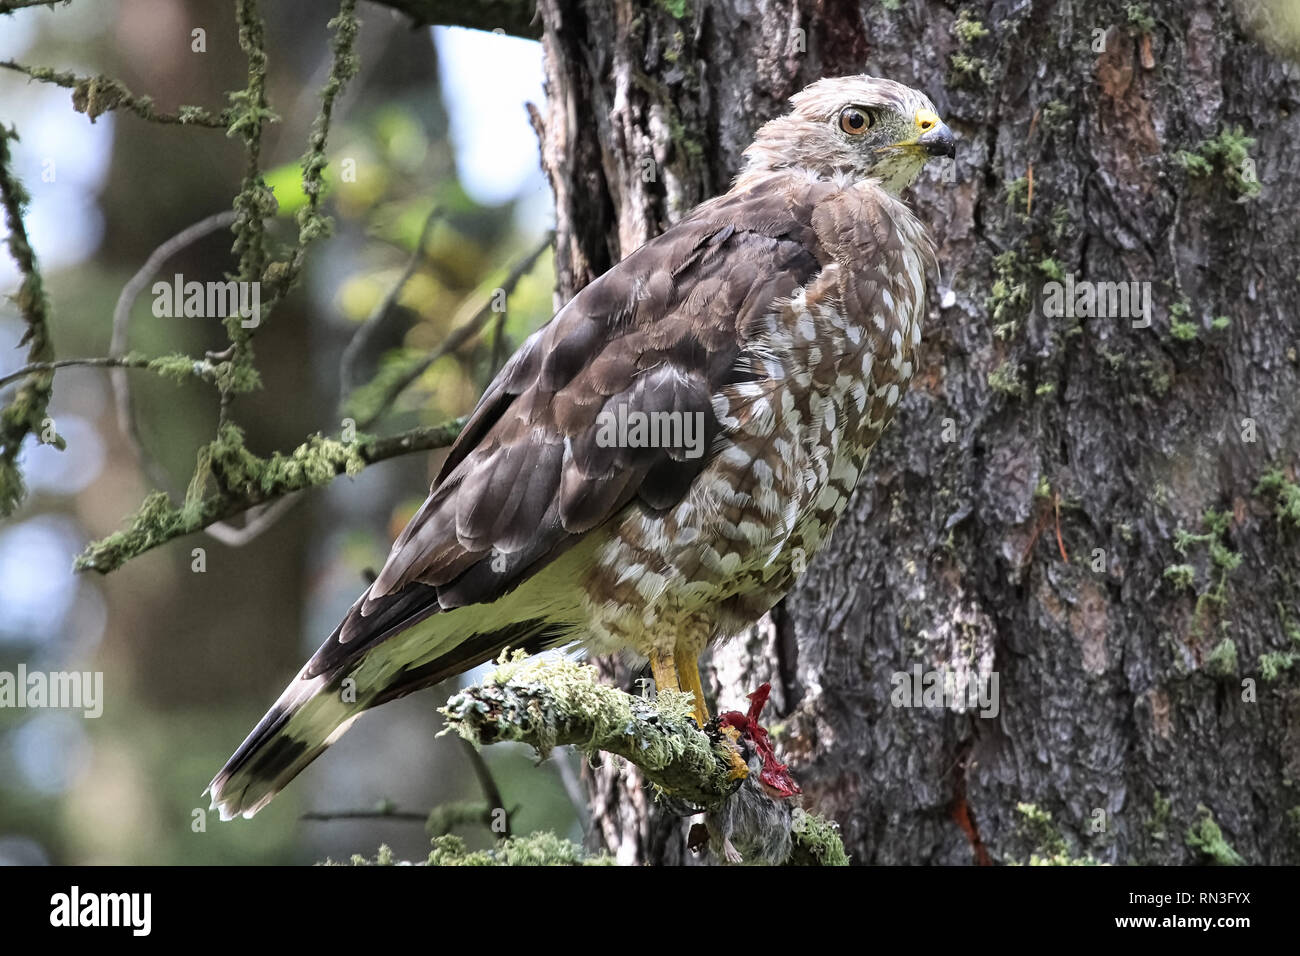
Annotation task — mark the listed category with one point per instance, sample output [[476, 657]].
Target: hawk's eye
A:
[[854, 120]]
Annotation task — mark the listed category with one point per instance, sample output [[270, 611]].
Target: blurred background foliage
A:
[[434, 119]]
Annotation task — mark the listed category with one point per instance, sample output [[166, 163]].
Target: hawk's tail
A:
[[317, 708], [311, 714]]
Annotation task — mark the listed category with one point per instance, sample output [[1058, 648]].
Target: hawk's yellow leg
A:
[[687, 667], [664, 669], [681, 671], [688, 675]]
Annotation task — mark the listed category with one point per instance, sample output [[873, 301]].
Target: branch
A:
[[117, 346], [384, 812], [246, 481], [26, 414], [548, 702], [312, 225], [491, 792], [514, 17], [9, 6], [97, 95], [97, 362]]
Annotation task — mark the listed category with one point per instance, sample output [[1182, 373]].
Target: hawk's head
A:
[[859, 126]]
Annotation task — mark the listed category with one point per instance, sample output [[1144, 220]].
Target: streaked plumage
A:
[[785, 314]]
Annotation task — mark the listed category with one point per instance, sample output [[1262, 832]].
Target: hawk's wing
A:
[[527, 478]]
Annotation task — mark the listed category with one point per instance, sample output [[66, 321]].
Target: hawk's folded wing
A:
[[662, 331]]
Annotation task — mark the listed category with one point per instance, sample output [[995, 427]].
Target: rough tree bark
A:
[[1136, 452]]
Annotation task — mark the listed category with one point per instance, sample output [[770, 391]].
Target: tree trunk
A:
[[1064, 499]]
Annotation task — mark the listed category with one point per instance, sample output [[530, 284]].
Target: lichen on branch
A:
[[552, 701], [244, 480], [26, 412], [549, 702]]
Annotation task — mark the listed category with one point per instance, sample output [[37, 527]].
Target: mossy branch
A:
[[245, 481], [26, 413], [548, 702], [97, 95]]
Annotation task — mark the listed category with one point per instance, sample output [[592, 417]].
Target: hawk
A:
[[652, 468]]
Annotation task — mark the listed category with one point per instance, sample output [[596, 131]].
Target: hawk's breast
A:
[[825, 371]]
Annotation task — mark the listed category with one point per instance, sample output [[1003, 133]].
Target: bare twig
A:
[[383, 813], [461, 335], [491, 792], [573, 789], [257, 520], [117, 346], [96, 362], [363, 335]]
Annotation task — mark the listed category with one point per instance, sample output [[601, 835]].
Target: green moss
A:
[[677, 9], [970, 70], [1158, 823], [1207, 838], [1052, 269], [1006, 379], [967, 29], [1194, 164], [545, 702], [1227, 154], [1017, 191], [536, 849], [1222, 661], [1050, 847], [1181, 575], [1293, 820], [1115, 360], [1220, 322], [1055, 114], [239, 476], [1156, 377], [1009, 300], [1139, 18], [1179, 326], [1274, 664], [1287, 492], [1046, 388], [816, 841], [1061, 223], [1223, 558]]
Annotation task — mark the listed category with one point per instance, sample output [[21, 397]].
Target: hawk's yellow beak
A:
[[933, 136]]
